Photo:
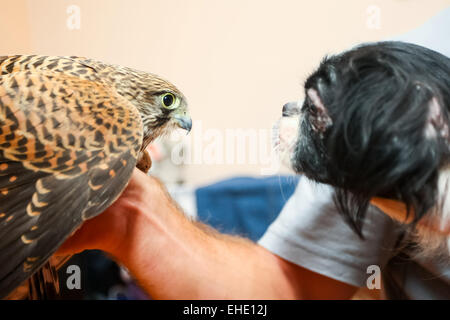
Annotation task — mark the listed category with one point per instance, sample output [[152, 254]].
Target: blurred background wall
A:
[[237, 61]]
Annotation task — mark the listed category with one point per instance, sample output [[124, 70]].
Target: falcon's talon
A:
[[145, 161]]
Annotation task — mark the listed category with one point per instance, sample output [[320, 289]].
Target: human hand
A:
[[110, 231]]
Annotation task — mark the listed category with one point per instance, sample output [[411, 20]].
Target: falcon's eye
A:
[[169, 101]]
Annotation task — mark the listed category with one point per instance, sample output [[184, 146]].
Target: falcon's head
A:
[[161, 105]]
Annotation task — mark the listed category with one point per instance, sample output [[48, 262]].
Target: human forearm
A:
[[174, 258]]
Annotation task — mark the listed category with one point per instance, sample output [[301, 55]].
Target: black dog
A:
[[375, 123]]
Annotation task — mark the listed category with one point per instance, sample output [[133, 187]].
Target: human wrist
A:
[[138, 216]]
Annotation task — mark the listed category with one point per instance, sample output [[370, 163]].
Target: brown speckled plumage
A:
[[71, 132]]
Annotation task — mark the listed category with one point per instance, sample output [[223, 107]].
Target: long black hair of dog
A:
[[371, 137]]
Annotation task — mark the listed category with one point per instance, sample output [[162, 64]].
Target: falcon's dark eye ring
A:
[[169, 101]]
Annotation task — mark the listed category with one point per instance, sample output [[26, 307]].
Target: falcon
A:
[[71, 132]]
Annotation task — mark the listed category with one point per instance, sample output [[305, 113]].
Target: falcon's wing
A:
[[68, 147]]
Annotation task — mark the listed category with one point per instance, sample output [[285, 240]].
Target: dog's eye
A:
[[305, 106], [309, 106]]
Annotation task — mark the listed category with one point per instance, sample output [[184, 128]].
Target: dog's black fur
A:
[[372, 138]]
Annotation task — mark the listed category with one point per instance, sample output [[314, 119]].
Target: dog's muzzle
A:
[[291, 109], [286, 132]]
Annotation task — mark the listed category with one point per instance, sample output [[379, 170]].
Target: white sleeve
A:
[[310, 232]]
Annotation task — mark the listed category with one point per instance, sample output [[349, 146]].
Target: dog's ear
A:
[[436, 126], [320, 120]]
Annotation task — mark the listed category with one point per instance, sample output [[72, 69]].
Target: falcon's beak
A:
[[184, 121]]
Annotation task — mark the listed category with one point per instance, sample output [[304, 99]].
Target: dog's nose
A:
[[291, 109]]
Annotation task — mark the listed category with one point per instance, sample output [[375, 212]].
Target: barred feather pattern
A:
[[71, 132]]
